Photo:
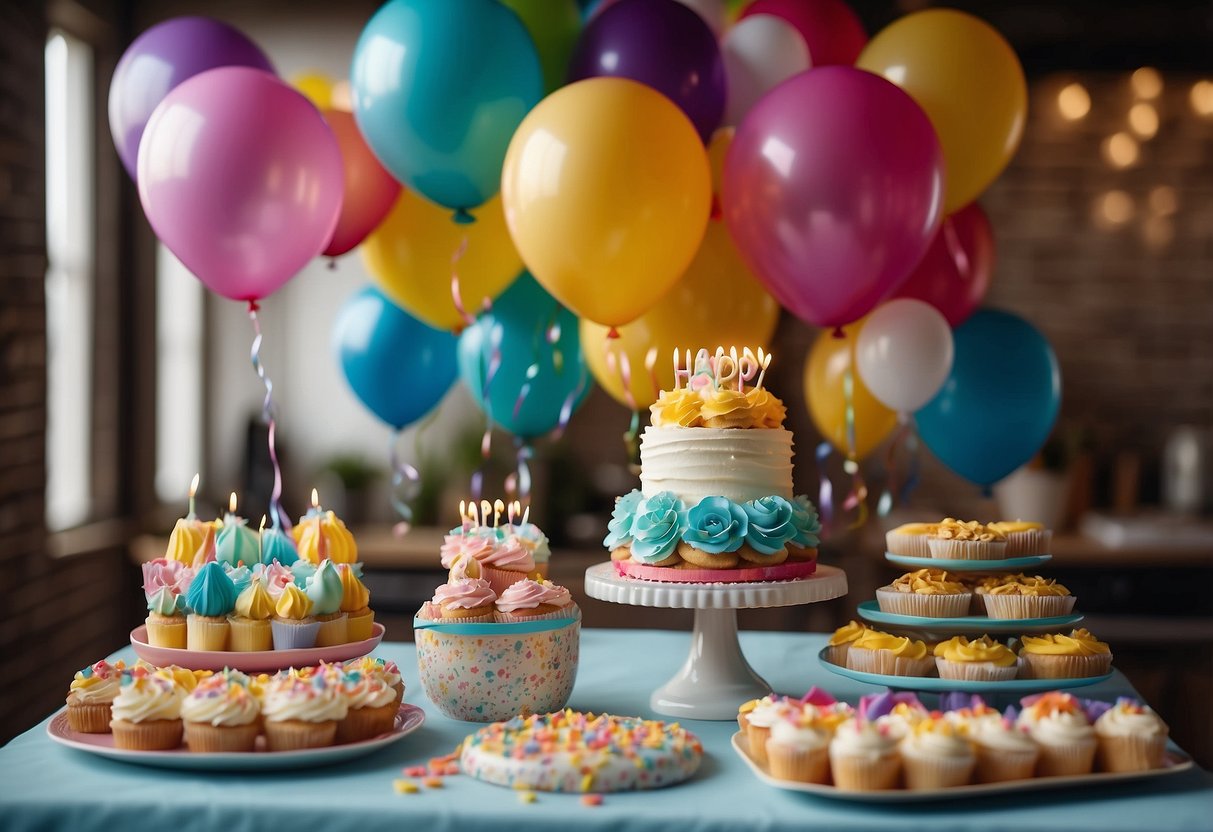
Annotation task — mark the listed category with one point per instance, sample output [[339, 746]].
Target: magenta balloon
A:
[[954, 275], [241, 178], [833, 189], [160, 59]]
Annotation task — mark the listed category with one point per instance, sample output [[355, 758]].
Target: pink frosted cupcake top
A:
[[473, 545], [465, 594], [527, 595], [510, 555]]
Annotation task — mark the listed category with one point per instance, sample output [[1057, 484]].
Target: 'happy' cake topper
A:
[[722, 371]]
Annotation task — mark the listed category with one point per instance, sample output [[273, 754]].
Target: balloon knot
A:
[[717, 210], [839, 332], [332, 264], [253, 306], [612, 333], [463, 217]]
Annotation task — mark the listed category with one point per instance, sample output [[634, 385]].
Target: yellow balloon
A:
[[316, 86], [825, 370], [409, 257], [718, 302], [607, 193], [967, 78]]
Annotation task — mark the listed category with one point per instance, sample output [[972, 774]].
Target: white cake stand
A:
[[716, 678]]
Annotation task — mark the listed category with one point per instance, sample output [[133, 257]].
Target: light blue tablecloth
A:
[[45, 786]]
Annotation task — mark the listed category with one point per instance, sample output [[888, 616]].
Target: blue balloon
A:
[[518, 327], [1000, 401], [439, 88], [397, 366]]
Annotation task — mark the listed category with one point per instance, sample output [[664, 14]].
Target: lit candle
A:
[[231, 507], [190, 515], [321, 548], [764, 361], [510, 513], [486, 508], [463, 515], [498, 507], [526, 515], [737, 367], [261, 541], [473, 514]]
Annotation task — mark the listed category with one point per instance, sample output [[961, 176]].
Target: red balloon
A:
[[954, 274], [831, 30], [370, 191]]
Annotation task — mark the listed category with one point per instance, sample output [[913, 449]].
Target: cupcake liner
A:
[[837, 653], [975, 671], [888, 663], [364, 723], [249, 635], [333, 630], [294, 635], [1048, 666], [743, 722], [923, 773], [293, 734], [516, 617], [967, 549], [360, 625], [797, 764], [1031, 542], [1064, 760], [863, 773], [166, 631], [951, 605], [997, 765], [978, 606], [89, 717], [209, 633], [908, 545], [153, 735], [501, 579], [481, 618], [1028, 606], [204, 738], [1130, 753], [757, 737]]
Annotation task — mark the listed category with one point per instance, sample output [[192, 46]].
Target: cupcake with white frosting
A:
[[372, 707], [1005, 751], [798, 750], [303, 712], [91, 696], [220, 714], [1130, 737], [761, 720], [864, 756], [937, 754], [147, 711], [1059, 727]]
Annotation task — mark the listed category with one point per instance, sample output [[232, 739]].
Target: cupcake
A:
[[220, 714], [321, 535], [325, 591], [1024, 538], [372, 707], [212, 595], [250, 628], [1005, 751], [147, 711], [527, 600], [958, 540], [1130, 737], [743, 714], [381, 668], [798, 750], [356, 604], [768, 711], [1058, 656], [890, 655], [303, 711], [534, 541], [937, 754], [1059, 727], [864, 756], [933, 593], [894, 712], [1028, 597], [910, 540], [468, 600], [277, 547], [979, 660], [185, 678], [90, 696], [166, 619], [841, 641], [506, 564], [980, 586], [293, 626]]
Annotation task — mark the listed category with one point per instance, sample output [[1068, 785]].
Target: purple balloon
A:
[[159, 60], [833, 190], [663, 44], [241, 178]]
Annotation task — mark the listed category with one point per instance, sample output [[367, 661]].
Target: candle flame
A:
[[463, 510], [498, 507], [231, 503], [315, 498], [194, 484], [261, 528]]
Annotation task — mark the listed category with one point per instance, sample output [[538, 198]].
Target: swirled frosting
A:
[[236, 543], [367, 690], [339, 545], [619, 528], [716, 524], [806, 523], [325, 590], [170, 573], [166, 602], [864, 738], [477, 546], [906, 648], [1036, 585], [212, 592], [277, 545], [318, 698], [1128, 717], [928, 582], [511, 556], [770, 524], [848, 633], [799, 735], [255, 602], [463, 567], [679, 408], [468, 594], [144, 696], [657, 527], [535, 541], [724, 409], [276, 578], [374, 666], [952, 529], [1002, 735], [221, 700], [98, 682], [1078, 643], [354, 594], [936, 737], [527, 595], [984, 649], [191, 543], [292, 604]]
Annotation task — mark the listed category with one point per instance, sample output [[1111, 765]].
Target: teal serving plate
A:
[[1003, 565], [975, 624]]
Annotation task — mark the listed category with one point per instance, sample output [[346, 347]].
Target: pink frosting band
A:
[[510, 555], [527, 594], [466, 594]]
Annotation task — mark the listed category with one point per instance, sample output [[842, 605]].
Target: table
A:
[[45, 786]]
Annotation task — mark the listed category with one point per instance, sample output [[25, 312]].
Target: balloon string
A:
[[618, 362], [490, 363], [518, 484], [825, 489], [566, 409], [406, 484], [848, 410], [955, 250], [277, 516], [456, 294]]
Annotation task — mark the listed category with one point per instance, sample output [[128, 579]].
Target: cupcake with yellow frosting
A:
[[147, 711], [325, 591], [1024, 538], [303, 712], [938, 753], [356, 604], [293, 626], [91, 696], [1130, 736], [841, 641], [1028, 597], [890, 655], [959, 540], [1060, 656], [910, 540], [979, 660], [250, 624], [934, 593], [221, 714]]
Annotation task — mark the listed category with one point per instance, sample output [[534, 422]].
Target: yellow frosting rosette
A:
[[355, 603], [326, 534], [841, 641], [726, 409], [1060, 656], [293, 604], [884, 653], [978, 660], [677, 407], [1028, 597]]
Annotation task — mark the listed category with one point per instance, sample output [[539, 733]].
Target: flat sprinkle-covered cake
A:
[[716, 478]]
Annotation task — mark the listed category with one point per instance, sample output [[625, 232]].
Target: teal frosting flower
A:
[[715, 525], [808, 527], [619, 529], [211, 592], [770, 524], [276, 545], [657, 527]]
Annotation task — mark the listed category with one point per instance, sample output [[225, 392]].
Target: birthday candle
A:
[[261, 540], [498, 507], [190, 515]]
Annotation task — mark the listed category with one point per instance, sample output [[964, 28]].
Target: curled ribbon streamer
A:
[[490, 363], [618, 362], [456, 295], [895, 494], [277, 515], [518, 484], [406, 484], [650, 364], [825, 489], [858, 496], [566, 409]]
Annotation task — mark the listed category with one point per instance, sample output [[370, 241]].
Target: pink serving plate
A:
[[408, 720], [783, 572], [264, 661]]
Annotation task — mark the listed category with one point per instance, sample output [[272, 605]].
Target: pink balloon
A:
[[830, 28], [833, 189], [954, 274], [241, 178]]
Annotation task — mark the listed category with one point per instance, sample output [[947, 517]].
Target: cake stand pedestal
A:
[[716, 677]]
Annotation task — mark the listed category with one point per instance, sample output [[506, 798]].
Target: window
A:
[[179, 348], [70, 224]]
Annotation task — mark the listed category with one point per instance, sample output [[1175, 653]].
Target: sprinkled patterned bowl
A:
[[491, 672]]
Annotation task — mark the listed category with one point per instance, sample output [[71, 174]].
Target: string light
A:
[[1120, 150], [1143, 120], [1146, 82], [1201, 98], [1158, 232], [1114, 208], [1074, 102], [1163, 200]]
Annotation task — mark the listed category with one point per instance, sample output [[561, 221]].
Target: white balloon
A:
[[904, 353], [714, 13], [759, 52]]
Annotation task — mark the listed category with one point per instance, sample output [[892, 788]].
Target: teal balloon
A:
[[1000, 401], [519, 328], [396, 365], [439, 88]]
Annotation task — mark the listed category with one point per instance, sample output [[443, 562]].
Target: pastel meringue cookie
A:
[[531, 599], [325, 590], [277, 546], [236, 543]]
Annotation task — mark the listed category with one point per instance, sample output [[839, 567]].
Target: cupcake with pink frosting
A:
[[528, 600], [508, 563], [466, 600]]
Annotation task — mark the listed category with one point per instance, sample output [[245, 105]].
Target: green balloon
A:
[[554, 26]]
